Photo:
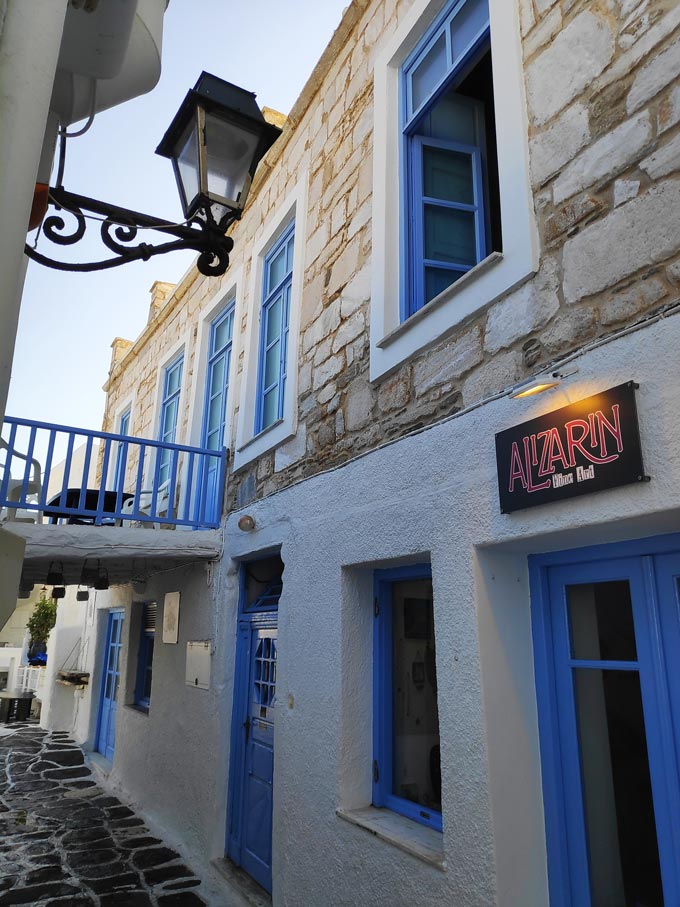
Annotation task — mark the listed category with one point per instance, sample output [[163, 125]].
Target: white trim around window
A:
[[393, 342], [248, 444]]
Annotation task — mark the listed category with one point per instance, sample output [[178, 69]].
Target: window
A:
[[217, 379], [450, 196], [215, 410], [145, 656], [121, 451], [172, 384], [261, 584], [406, 768], [274, 319]]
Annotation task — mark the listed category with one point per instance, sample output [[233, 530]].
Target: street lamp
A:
[[215, 142]]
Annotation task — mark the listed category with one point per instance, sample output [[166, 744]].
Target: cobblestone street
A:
[[65, 841]]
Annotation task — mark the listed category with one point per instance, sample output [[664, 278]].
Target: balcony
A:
[[72, 475]]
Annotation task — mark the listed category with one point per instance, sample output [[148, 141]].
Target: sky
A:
[[68, 320]]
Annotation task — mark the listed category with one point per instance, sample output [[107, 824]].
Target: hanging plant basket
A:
[[73, 678]]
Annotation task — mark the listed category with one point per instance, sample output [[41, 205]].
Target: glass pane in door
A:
[[621, 836]]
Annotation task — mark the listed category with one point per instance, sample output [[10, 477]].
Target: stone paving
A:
[[64, 841]]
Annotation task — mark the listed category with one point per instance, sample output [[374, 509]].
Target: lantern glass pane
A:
[[187, 164], [229, 153]]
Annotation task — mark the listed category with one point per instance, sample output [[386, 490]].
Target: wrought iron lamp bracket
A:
[[119, 228]]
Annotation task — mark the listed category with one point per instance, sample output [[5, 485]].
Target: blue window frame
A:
[[606, 627], [274, 319], [406, 754], [217, 379], [450, 206], [145, 656], [172, 385], [121, 451]]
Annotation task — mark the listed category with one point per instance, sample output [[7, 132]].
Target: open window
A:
[[407, 766], [450, 200]]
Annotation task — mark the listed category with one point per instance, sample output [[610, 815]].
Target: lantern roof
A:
[[215, 94]]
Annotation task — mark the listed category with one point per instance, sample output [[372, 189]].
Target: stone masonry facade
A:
[[602, 83]]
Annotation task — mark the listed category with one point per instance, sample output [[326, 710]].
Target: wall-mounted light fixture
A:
[[215, 142], [246, 523], [55, 576], [538, 384]]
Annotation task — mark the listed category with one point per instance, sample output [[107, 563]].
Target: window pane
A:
[[215, 413], [429, 73], [229, 153], [448, 175], [467, 26], [187, 163], [271, 406], [174, 380], [601, 621], [146, 692], [450, 235], [277, 269], [272, 364], [217, 376], [223, 333], [437, 280], [169, 418], [416, 773], [455, 119], [274, 320], [617, 794]]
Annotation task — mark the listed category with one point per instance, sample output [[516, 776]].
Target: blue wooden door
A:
[[106, 731], [609, 706], [250, 839]]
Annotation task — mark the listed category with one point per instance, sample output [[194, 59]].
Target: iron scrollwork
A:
[[119, 227]]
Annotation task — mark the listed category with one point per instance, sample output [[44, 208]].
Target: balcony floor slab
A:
[[124, 552]]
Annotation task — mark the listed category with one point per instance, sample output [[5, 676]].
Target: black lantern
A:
[[215, 142]]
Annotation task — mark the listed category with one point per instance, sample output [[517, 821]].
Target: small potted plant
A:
[[39, 625]]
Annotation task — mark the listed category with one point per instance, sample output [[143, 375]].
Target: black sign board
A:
[[584, 447]]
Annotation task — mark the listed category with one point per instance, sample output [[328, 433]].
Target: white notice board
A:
[[171, 617]]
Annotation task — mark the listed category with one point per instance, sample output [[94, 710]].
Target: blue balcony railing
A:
[[48, 469]]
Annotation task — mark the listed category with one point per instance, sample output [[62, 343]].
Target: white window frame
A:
[[393, 341], [233, 289], [249, 445]]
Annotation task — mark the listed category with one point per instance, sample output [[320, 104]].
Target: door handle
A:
[[246, 725]]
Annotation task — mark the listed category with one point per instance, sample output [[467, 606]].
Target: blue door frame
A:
[[651, 568], [249, 825], [108, 699]]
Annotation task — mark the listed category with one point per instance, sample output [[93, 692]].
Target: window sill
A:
[[424, 843], [141, 709], [271, 436], [443, 297]]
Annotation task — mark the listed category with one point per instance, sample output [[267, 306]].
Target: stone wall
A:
[[602, 81]]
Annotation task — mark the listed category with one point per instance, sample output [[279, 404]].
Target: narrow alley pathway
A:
[[64, 841]]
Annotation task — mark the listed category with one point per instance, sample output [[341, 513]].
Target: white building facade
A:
[[403, 681]]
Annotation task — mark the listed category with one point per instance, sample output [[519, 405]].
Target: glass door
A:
[[608, 746]]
